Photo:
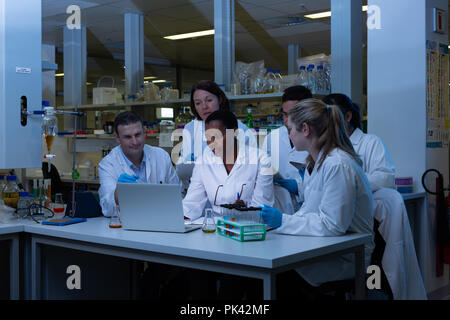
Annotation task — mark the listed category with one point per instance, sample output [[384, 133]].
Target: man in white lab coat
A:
[[132, 161], [281, 152]]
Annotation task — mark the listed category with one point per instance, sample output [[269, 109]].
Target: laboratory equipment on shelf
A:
[[270, 82], [301, 77], [249, 120], [311, 79], [165, 92], [278, 81], [50, 124]]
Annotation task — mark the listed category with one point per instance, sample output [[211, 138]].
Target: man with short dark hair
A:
[[132, 161], [281, 152]]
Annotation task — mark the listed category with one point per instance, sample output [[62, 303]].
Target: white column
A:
[[134, 51], [224, 50], [294, 52], [75, 55], [346, 48]]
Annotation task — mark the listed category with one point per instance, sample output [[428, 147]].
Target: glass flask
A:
[[209, 225]]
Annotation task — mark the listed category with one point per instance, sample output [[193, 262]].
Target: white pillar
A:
[[346, 48], [224, 49], [75, 55], [294, 52], [134, 51]]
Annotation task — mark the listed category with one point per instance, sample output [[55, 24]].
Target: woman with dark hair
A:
[[377, 163], [206, 98], [228, 171]]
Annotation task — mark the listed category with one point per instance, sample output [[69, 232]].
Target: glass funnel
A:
[[49, 126]]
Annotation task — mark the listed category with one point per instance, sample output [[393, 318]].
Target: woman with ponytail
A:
[[337, 194], [377, 163]]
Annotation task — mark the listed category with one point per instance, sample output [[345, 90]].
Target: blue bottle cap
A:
[[11, 178], [23, 194], [302, 68], [320, 68], [277, 71], [167, 85], [45, 103]]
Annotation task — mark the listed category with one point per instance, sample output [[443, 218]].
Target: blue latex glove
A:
[[125, 178], [271, 216], [301, 172], [289, 184]]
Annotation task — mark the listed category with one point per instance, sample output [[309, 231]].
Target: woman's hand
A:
[[271, 216]]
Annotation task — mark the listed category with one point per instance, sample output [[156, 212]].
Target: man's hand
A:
[[126, 178]]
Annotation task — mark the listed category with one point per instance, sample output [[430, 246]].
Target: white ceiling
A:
[[255, 40]]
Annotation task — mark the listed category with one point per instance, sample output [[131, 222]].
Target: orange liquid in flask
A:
[[49, 141]]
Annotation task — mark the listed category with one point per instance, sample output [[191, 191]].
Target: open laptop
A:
[[152, 207]]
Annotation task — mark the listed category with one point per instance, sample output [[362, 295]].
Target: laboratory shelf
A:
[[173, 102], [123, 105], [49, 66], [104, 136]]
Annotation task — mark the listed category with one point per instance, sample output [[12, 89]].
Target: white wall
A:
[[397, 102]]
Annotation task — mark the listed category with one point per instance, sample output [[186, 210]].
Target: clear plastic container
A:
[[10, 193], [301, 77], [259, 82], [320, 80], [25, 201], [278, 81], [311, 78], [245, 82], [165, 92], [271, 79]]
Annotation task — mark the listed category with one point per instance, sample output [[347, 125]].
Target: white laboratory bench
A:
[[211, 252]]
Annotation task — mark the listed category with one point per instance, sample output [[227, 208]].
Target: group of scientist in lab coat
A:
[[316, 175]]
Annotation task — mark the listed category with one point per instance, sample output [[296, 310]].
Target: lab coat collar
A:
[[210, 158], [128, 164], [356, 136]]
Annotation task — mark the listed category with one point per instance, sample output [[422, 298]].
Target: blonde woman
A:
[[337, 194]]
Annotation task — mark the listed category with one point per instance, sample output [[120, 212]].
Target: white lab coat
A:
[[399, 259], [194, 142], [158, 169], [377, 163], [250, 168], [278, 147], [337, 200]]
